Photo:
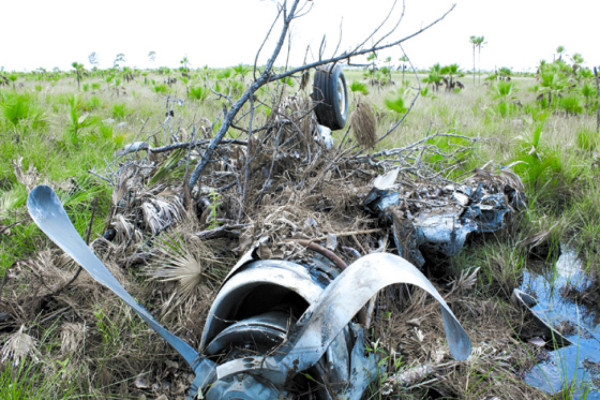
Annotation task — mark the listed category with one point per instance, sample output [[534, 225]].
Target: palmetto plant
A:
[[199, 93], [450, 71], [78, 120], [503, 91], [588, 91], [553, 80], [571, 104], [361, 87], [241, 71], [434, 77], [396, 104], [18, 109]]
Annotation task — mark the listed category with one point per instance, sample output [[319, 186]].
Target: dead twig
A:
[[7, 227]]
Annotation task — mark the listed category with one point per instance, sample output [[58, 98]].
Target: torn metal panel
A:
[[436, 221], [553, 338]]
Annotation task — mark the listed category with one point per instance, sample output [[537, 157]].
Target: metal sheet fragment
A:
[[434, 221]]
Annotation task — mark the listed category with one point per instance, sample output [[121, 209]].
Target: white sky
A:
[[519, 33]]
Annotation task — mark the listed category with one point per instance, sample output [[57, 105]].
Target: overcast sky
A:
[[518, 33]]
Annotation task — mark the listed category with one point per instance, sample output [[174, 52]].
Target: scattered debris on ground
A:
[[283, 191]]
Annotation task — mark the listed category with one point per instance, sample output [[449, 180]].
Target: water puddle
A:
[[576, 365]]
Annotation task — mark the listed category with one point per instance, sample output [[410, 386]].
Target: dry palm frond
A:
[[304, 79], [124, 178], [28, 178], [161, 212], [72, 336], [466, 280], [511, 179], [188, 263], [297, 111], [126, 231], [410, 376], [364, 125], [49, 268], [19, 346]]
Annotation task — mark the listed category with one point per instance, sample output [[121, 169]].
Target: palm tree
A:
[[119, 59], [473, 41], [78, 71], [553, 81], [577, 61], [403, 60], [478, 42], [560, 50]]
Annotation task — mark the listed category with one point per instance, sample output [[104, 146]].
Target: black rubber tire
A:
[[331, 96]]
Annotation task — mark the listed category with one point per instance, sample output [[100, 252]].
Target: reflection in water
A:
[[577, 365]]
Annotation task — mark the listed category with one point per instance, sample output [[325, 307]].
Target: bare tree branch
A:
[[267, 75], [376, 29], [267, 36], [260, 81], [346, 56], [412, 104], [395, 26]]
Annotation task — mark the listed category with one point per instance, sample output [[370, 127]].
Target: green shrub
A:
[[359, 87], [571, 103], [160, 88], [119, 111], [587, 139], [199, 93], [396, 105], [18, 108]]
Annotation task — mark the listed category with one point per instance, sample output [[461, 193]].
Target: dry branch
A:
[[267, 76]]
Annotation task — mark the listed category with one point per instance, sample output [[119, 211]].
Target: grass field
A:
[[55, 133]]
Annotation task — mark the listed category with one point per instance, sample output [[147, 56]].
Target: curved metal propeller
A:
[[338, 304], [48, 213]]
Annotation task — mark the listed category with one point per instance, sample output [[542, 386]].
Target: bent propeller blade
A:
[[48, 213], [337, 305], [347, 294]]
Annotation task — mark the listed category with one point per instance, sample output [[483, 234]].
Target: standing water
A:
[[578, 365]]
